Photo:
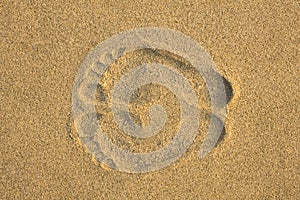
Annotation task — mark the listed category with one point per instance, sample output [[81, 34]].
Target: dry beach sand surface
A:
[[255, 46]]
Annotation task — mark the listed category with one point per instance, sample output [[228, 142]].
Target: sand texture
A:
[[255, 47]]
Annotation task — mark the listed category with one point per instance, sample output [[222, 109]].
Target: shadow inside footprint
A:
[[219, 122], [228, 90]]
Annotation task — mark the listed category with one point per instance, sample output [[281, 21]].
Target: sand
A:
[[255, 46]]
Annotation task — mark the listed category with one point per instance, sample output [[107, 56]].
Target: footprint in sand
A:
[[140, 98]]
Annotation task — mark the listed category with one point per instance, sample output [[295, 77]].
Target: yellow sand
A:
[[255, 45]]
